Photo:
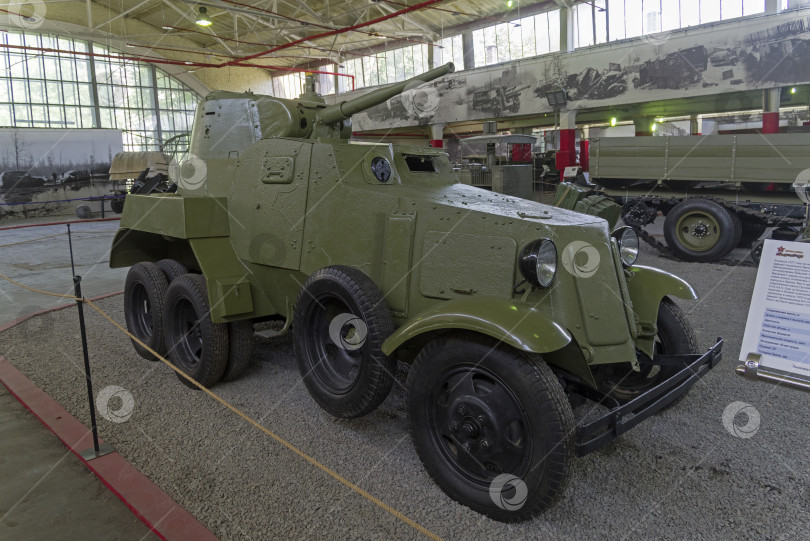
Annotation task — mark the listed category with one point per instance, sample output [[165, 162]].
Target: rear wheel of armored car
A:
[[240, 333], [701, 230], [144, 297], [340, 323], [196, 345], [171, 268], [491, 425], [675, 337], [240, 349]]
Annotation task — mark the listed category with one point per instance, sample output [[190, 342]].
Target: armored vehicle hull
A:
[[374, 253]]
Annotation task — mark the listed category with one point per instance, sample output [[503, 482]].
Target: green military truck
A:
[[716, 192], [374, 254]]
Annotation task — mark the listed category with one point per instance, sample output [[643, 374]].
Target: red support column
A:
[[437, 135], [770, 122], [584, 159], [567, 154], [770, 110]]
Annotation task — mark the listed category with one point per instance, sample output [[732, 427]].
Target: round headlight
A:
[[538, 262], [628, 245]]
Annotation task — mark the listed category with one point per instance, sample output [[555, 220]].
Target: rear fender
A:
[[130, 246], [648, 286]]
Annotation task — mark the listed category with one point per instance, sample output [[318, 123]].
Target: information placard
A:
[[778, 326]]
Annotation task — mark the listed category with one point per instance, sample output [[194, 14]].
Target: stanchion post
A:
[[97, 450]]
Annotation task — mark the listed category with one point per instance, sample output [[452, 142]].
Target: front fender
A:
[[647, 287], [519, 325]]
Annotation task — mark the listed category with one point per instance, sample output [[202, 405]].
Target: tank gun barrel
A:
[[344, 110]]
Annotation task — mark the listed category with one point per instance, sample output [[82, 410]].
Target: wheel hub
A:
[[471, 428], [700, 230]]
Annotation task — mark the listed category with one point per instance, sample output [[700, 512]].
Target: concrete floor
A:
[[45, 264], [47, 492]]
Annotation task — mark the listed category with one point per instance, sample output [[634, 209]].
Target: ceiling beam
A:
[[122, 14], [193, 20], [390, 9]]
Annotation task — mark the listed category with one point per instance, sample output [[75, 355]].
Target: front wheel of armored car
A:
[[675, 337], [340, 323], [144, 297], [196, 345], [491, 425]]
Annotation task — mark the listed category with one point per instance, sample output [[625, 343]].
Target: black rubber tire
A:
[[171, 268], [738, 228], [347, 379], [675, 337], [196, 345], [722, 228], [751, 231], [144, 298], [638, 214], [240, 349], [117, 204], [478, 410]]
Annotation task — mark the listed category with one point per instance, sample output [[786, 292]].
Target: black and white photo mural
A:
[[40, 166], [724, 57]]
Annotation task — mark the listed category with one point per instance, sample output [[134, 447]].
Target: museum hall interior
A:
[[404, 269]]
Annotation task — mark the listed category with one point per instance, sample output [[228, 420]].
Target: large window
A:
[[609, 20], [384, 67], [449, 50], [520, 38], [68, 90]]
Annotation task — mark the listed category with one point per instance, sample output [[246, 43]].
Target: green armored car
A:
[[374, 254]]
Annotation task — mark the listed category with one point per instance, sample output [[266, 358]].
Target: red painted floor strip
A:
[[149, 503]]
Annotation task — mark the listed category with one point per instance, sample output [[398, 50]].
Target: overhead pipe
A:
[[241, 61], [317, 25], [244, 42], [343, 30]]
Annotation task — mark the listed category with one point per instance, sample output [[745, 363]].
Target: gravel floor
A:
[[678, 475]]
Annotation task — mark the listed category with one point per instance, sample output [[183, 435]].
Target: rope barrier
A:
[[71, 297], [314, 462]]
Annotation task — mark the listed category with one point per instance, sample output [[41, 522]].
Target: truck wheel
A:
[[491, 425], [240, 349], [197, 346], [144, 297], [340, 323], [675, 337], [171, 268], [701, 230]]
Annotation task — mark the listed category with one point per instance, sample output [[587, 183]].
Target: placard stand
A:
[[752, 370]]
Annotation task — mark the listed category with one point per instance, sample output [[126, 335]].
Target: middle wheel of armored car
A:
[[340, 323]]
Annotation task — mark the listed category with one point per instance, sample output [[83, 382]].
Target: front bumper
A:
[[622, 418]]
